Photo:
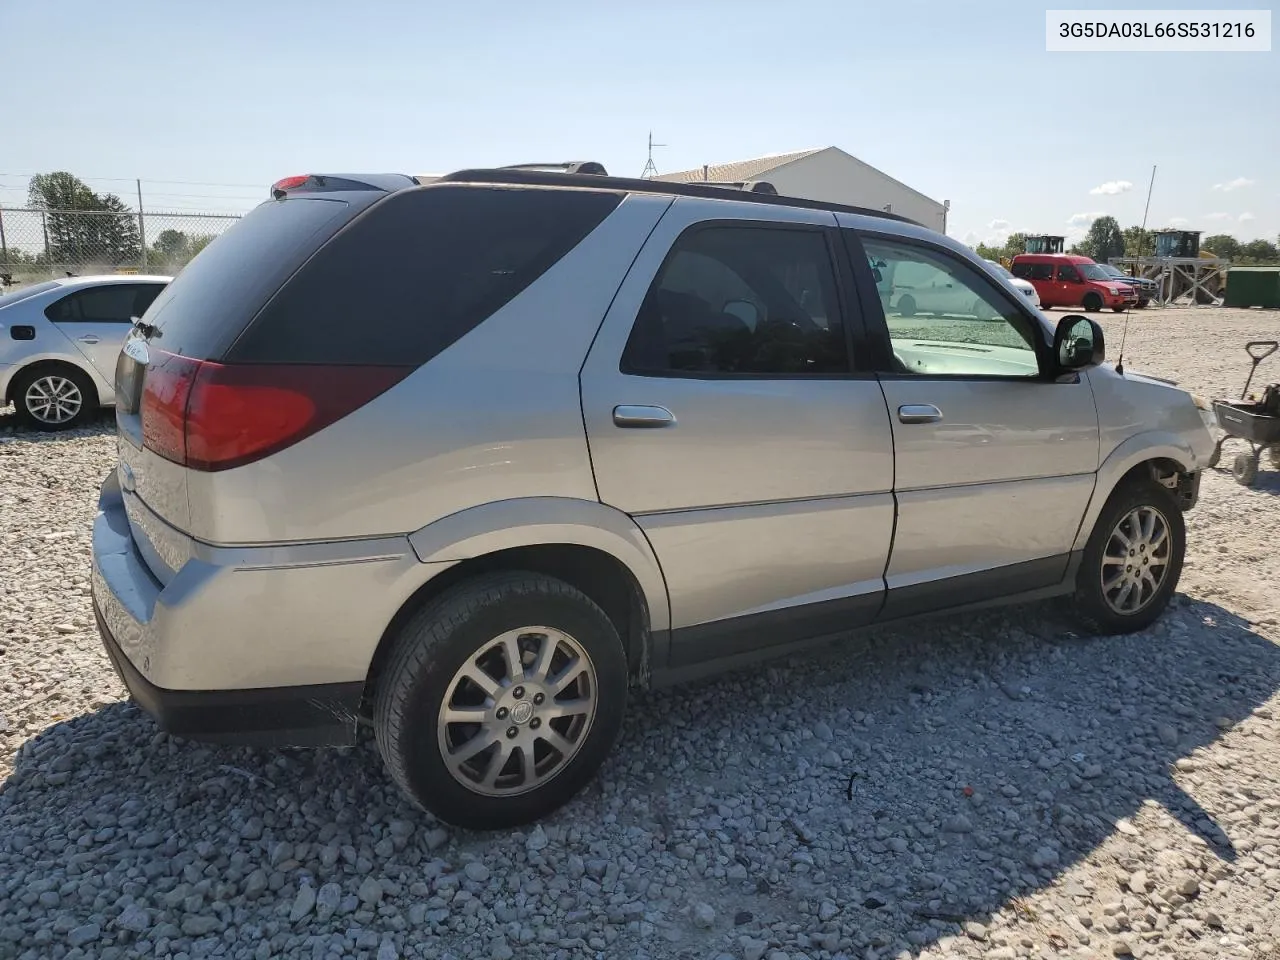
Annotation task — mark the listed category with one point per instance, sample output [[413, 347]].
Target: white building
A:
[[831, 175]]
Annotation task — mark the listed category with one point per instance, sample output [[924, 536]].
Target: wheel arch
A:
[[50, 363], [1154, 455], [595, 548]]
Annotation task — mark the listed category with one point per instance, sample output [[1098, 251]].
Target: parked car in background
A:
[[1024, 287], [461, 462], [1068, 280], [1147, 288], [59, 341]]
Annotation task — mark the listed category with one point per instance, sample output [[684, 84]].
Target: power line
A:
[[145, 180]]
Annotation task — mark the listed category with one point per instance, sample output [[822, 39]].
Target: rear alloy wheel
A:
[[907, 306], [501, 700], [1092, 303], [1133, 559], [53, 398]]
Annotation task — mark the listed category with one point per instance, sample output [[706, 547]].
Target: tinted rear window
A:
[[218, 293], [417, 271]]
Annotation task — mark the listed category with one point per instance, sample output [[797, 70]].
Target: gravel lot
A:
[[993, 785]]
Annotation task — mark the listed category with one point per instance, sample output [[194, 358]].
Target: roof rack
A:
[[573, 166], [746, 186], [523, 176]]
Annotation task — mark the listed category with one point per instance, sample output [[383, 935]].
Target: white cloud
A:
[[998, 224], [1084, 219], [1217, 216], [1177, 221], [1111, 188], [1246, 217], [1235, 184], [971, 239]]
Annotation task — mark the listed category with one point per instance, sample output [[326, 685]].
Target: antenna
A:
[[1142, 232], [650, 168]]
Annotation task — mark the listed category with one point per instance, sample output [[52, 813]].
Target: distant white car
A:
[[1024, 287], [59, 341]]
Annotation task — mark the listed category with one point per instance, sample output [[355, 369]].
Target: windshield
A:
[[1095, 271], [1001, 270]]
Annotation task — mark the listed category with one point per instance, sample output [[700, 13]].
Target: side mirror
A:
[[744, 310], [1078, 342]]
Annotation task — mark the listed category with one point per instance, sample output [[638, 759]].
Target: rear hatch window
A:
[[309, 308]]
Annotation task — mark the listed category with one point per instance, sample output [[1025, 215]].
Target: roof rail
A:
[[747, 186], [522, 176], [573, 166]]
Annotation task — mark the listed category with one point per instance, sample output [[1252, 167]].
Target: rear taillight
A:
[[213, 416]]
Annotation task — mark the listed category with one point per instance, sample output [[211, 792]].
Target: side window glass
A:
[[1022, 270], [1068, 273], [145, 296], [112, 303], [945, 319], [1042, 271], [741, 300]]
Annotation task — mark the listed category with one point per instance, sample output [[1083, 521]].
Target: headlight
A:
[[1115, 291]]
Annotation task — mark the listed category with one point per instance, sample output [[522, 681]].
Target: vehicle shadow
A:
[[1268, 479], [100, 423], [908, 781]]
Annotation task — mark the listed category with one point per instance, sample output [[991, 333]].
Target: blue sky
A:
[[209, 103]]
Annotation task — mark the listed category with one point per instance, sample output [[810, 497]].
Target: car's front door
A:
[[97, 319], [994, 461], [726, 414]]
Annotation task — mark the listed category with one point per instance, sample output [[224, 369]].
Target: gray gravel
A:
[[994, 785]]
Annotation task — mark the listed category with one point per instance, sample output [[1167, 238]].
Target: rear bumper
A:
[[308, 716], [268, 645]]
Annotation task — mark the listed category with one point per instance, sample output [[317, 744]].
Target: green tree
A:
[[1139, 242], [1222, 245], [1259, 251], [1016, 244], [1103, 241], [83, 226], [172, 246]]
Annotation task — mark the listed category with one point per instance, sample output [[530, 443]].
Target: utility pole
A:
[[142, 227]]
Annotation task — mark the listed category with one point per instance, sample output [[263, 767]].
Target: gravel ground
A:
[[993, 785]]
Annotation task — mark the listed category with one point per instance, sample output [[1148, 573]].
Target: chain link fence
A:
[[38, 245]]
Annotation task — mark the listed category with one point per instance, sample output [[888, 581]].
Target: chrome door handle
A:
[[642, 415], [88, 338], [919, 413]]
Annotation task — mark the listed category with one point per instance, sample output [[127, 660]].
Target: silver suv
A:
[[460, 461], [59, 341]]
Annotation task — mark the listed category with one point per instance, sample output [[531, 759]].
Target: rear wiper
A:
[[148, 330]]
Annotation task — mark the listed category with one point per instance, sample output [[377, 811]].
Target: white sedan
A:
[[1024, 287], [59, 341]]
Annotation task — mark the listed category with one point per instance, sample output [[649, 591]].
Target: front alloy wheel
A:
[[1133, 559], [1136, 560]]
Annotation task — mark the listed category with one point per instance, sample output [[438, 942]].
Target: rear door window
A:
[[1042, 271], [417, 271], [110, 303], [1068, 273]]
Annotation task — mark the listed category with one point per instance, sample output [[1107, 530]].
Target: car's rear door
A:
[[98, 318], [725, 414], [994, 461]]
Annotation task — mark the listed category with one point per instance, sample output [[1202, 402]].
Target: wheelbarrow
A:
[[1257, 422]]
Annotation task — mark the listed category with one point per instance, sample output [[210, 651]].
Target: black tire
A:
[[1117, 309], [1142, 304], [1245, 469], [1092, 303], [1091, 603], [32, 418], [437, 642], [907, 305]]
